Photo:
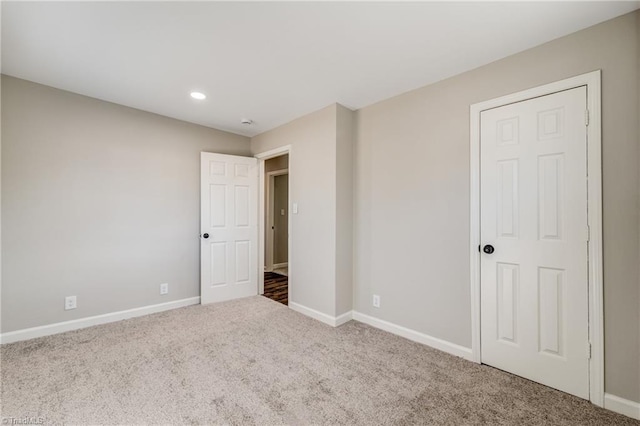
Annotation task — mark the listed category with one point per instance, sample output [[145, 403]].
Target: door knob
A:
[[205, 236], [488, 249]]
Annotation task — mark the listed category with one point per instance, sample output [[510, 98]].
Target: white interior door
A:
[[229, 227], [534, 286]]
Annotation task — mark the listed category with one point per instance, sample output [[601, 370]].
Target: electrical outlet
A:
[[376, 301], [164, 288], [70, 302]]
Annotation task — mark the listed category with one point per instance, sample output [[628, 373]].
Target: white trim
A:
[[416, 336], [596, 276], [276, 152], [280, 265], [270, 201], [594, 137], [344, 318], [61, 327], [261, 227], [622, 406], [321, 316], [262, 157]]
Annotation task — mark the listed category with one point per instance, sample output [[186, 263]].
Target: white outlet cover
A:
[[376, 301], [70, 302], [164, 288]]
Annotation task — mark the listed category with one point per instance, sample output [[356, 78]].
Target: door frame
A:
[[262, 157], [594, 170], [269, 265]]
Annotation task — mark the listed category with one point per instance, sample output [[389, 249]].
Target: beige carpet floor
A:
[[256, 362]]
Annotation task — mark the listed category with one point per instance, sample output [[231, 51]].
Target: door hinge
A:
[[586, 117], [589, 350], [588, 233]]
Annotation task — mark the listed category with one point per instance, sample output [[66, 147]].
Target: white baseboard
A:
[[622, 406], [61, 327], [344, 318], [320, 316], [416, 336], [280, 265]]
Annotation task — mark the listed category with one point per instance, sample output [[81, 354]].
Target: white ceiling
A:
[[270, 62]]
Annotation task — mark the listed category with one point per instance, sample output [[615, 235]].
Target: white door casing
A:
[[229, 227], [592, 82], [534, 287]]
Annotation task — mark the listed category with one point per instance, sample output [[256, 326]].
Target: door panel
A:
[[550, 310], [508, 199], [508, 280], [534, 294], [550, 196], [229, 219]]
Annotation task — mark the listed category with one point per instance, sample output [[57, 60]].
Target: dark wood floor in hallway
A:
[[276, 287]]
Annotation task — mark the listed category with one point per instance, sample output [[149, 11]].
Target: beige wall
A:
[[638, 137], [345, 139], [99, 201], [312, 175], [320, 182], [412, 192]]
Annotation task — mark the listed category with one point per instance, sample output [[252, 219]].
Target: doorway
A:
[[277, 215], [275, 220], [233, 227], [276, 268], [536, 235]]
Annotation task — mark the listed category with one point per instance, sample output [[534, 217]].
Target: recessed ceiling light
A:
[[199, 96]]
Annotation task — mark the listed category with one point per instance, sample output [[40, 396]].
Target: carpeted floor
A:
[[254, 361]]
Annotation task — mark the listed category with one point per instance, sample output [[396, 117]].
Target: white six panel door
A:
[[534, 294], [229, 227]]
